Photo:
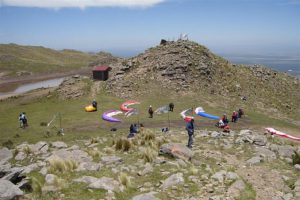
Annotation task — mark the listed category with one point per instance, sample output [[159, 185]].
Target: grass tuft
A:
[[148, 154], [36, 186], [8, 144], [122, 144], [27, 150], [58, 165], [296, 158], [94, 153], [124, 180]]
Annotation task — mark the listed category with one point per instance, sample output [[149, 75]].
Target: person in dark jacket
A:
[[240, 112], [171, 107], [23, 120], [94, 104], [190, 130], [150, 111]]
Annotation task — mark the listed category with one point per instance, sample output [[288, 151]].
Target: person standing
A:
[[95, 104], [171, 107], [23, 120], [190, 130], [234, 117], [150, 111]]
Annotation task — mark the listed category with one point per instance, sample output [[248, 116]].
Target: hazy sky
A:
[[130, 26]]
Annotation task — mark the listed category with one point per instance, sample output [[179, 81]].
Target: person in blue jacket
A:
[[190, 130]]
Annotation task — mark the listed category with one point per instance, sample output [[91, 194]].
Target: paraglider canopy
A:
[[108, 115], [199, 111], [124, 106], [185, 115]]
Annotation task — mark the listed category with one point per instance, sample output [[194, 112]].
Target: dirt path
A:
[[242, 124]]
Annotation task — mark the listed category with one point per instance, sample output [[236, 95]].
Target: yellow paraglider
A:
[[90, 108]]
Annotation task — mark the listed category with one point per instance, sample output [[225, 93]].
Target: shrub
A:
[[36, 186], [124, 179], [27, 150], [194, 170], [126, 144], [94, 153], [123, 144], [59, 165], [148, 155], [149, 136], [8, 143], [119, 144], [296, 158], [43, 124], [94, 140]]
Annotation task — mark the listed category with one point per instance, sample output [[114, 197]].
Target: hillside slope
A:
[[17, 60], [187, 68]]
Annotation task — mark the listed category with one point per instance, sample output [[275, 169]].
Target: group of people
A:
[[134, 129], [223, 122]]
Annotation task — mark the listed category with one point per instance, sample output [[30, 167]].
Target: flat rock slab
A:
[[265, 153], [176, 150], [106, 184], [5, 155], [8, 190], [175, 179], [111, 160], [146, 196], [77, 155], [59, 145]]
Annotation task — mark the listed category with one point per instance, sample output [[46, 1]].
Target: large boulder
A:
[[5, 155], [8, 190], [86, 179], [59, 145], [175, 179], [266, 154], [77, 155], [146, 196], [286, 151], [111, 160], [107, 184], [176, 150], [247, 136], [236, 189]]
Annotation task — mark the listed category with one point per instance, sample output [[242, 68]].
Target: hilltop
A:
[[17, 60], [186, 68]]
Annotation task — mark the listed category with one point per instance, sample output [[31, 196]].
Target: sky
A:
[[128, 27]]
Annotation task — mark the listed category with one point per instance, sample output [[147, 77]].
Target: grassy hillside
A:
[[82, 129], [36, 59]]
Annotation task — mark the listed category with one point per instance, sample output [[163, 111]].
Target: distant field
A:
[[36, 59]]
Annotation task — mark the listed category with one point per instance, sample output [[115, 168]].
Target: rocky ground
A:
[[239, 165]]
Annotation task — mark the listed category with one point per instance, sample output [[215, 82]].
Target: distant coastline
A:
[[286, 64]]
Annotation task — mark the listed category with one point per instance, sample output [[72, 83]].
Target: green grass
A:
[[79, 125], [248, 194], [37, 59]]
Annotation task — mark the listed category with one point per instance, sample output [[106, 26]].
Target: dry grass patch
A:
[[36, 186], [148, 154], [122, 144], [124, 180], [95, 153], [60, 165]]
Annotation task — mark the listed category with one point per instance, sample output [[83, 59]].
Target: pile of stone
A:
[[72, 87]]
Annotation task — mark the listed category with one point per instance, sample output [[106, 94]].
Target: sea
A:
[[288, 64]]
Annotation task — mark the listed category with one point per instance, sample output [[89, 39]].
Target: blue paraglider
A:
[[199, 111]]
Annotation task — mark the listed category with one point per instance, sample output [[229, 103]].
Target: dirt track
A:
[[243, 123]]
